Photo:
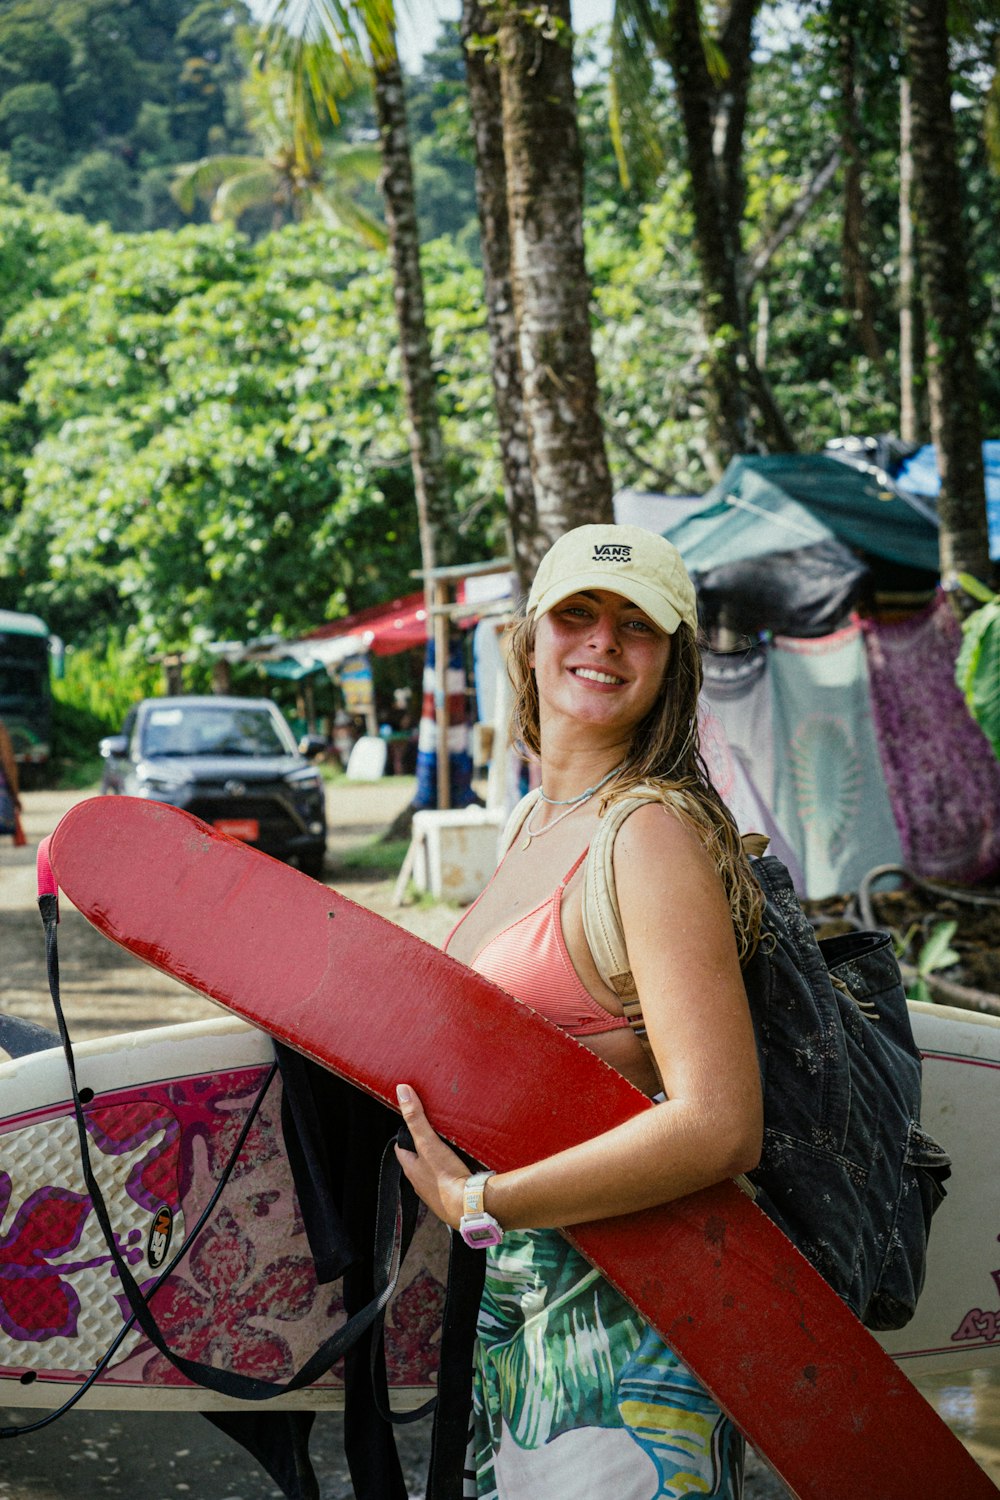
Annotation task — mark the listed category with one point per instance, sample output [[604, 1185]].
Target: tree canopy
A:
[[207, 443], [99, 101], [202, 433]]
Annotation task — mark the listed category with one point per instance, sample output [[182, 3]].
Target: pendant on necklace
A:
[[527, 844]]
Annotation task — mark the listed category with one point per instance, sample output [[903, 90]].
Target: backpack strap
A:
[[602, 920]]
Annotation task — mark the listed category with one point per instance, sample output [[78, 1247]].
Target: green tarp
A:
[[736, 525], [784, 502]]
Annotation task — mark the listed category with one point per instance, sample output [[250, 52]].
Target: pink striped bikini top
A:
[[530, 960]]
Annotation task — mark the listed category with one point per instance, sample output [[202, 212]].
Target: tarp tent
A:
[[831, 732], [761, 561], [869, 516], [383, 629]]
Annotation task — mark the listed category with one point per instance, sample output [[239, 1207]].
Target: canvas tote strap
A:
[[602, 921]]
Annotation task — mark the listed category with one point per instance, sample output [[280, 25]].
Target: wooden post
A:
[[441, 648], [173, 675]]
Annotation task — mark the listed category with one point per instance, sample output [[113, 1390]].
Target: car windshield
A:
[[196, 730]]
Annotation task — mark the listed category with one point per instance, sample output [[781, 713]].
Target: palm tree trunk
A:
[[713, 118], [544, 167], [858, 293], [954, 395], [426, 444], [482, 77]]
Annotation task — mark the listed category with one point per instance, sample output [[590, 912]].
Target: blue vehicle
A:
[[25, 694]]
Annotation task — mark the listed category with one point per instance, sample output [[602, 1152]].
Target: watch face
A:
[[481, 1235]]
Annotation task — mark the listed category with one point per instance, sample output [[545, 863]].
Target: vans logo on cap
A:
[[616, 552]]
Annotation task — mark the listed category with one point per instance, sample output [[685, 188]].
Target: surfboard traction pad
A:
[[814, 1393], [244, 1298]]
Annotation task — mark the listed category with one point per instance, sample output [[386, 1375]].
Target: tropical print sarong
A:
[[575, 1396]]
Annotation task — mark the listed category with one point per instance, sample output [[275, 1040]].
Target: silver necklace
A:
[[569, 803], [582, 797]]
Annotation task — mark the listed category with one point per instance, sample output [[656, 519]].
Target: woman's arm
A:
[[683, 957]]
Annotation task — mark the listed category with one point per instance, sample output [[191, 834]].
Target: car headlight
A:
[[306, 780], [151, 782]]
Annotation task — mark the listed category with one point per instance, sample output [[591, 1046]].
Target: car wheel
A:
[[312, 862]]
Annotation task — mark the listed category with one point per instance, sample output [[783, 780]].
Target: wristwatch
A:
[[478, 1228]]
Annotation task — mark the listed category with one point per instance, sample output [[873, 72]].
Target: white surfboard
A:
[[167, 1107], [957, 1322]]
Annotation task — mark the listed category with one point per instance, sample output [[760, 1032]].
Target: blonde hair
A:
[[665, 758]]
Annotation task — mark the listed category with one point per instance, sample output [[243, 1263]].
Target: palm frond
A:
[[340, 211], [346, 26], [325, 47], [251, 189], [630, 86], [350, 160], [202, 179]]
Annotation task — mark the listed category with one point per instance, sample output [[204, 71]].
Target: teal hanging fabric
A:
[[830, 795]]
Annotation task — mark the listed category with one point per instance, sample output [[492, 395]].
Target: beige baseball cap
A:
[[641, 566]]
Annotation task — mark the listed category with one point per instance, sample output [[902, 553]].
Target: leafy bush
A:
[[977, 670], [97, 690]]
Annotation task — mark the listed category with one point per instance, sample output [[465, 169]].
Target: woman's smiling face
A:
[[600, 660]]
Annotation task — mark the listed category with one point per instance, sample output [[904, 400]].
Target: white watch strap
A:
[[472, 1195]]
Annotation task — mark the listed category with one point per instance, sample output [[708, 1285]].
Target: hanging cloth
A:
[[942, 775], [830, 793]]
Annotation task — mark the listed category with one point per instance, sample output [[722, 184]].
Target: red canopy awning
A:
[[384, 629]]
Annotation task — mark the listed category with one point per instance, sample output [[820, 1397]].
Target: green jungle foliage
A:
[[89, 701], [208, 441], [102, 684], [100, 101], [977, 670]]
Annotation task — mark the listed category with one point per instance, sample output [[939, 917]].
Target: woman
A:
[[574, 1395]]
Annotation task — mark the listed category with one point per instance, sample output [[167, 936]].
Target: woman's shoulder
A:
[[656, 821], [658, 827], [642, 807]]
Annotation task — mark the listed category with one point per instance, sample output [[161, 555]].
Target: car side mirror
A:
[[115, 747], [311, 745]]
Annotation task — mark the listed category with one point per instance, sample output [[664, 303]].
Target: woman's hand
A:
[[436, 1173]]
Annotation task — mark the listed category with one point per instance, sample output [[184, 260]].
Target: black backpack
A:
[[846, 1171]]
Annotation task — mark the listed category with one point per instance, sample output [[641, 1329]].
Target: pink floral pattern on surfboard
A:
[[244, 1297], [36, 1302]]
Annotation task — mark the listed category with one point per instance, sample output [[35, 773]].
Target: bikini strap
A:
[[573, 869]]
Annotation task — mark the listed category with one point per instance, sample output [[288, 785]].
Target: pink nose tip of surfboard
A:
[[44, 872]]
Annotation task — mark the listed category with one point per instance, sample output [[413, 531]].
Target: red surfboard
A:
[[814, 1393]]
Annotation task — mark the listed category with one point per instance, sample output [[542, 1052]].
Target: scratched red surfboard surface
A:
[[814, 1393]]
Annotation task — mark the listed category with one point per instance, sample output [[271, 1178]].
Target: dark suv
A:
[[232, 762]]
